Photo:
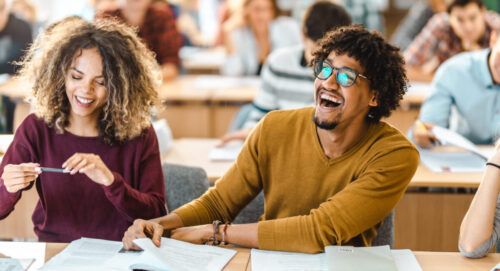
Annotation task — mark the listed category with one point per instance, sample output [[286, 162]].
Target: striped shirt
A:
[[287, 83]]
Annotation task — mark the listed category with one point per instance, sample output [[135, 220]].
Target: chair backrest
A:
[[252, 212], [183, 184], [385, 232]]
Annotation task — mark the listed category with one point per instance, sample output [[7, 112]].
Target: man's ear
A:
[[373, 101]]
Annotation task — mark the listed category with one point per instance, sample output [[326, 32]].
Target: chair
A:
[[183, 184], [385, 232], [252, 212]]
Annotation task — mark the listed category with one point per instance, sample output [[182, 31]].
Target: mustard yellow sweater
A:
[[311, 201]]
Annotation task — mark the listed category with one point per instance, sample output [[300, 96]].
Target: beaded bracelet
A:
[[493, 164], [213, 241], [224, 234]]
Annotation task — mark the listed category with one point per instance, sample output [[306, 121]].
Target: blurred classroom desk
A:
[[424, 220], [196, 60], [205, 105], [429, 261]]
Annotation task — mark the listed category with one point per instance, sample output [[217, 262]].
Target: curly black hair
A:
[[382, 62]]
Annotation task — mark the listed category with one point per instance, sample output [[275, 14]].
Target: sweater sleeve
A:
[[355, 209], [231, 193], [20, 151], [147, 198], [484, 248]]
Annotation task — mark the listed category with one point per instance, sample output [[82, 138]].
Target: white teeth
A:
[[325, 96], [83, 100]]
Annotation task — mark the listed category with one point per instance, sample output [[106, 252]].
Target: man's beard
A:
[[325, 125]]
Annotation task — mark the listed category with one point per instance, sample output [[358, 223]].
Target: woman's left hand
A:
[[90, 165], [194, 234]]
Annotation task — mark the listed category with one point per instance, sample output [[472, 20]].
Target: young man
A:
[[287, 78], [466, 26], [469, 82], [329, 173]]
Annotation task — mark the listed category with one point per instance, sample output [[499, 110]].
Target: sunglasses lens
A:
[[346, 77]]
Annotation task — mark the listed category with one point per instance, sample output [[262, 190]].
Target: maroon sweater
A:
[[73, 206]]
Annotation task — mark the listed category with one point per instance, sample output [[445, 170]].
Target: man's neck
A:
[[340, 140]]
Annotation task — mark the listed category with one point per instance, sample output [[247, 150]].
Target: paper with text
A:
[[178, 255]]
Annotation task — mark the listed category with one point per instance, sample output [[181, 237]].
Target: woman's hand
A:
[[18, 177], [194, 234], [90, 165], [141, 229]]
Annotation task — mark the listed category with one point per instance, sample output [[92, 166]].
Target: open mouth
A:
[[329, 101], [83, 101]]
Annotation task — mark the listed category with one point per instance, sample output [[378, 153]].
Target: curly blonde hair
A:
[[131, 75]]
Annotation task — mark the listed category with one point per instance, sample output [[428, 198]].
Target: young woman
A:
[[93, 86], [251, 38], [480, 229]]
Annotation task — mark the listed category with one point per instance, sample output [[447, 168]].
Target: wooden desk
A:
[[429, 261]]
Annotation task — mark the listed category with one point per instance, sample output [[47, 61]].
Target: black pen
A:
[[51, 169]]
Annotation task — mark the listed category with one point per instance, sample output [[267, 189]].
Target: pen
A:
[[51, 169]]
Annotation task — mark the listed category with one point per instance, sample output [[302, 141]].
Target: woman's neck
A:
[[81, 126]]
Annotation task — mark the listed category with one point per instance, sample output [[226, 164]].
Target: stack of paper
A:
[[95, 254], [263, 260], [465, 157], [228, 152]]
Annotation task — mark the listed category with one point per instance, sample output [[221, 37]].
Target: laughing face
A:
[[338, 105], [85, 85]]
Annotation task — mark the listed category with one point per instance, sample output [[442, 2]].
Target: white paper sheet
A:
[[178, 255], [405, 260], [263, 260], [84, 254], [228, 152], [25, 250], [9, 264], [448, 137]]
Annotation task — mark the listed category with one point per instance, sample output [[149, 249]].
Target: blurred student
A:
[[480, 229], [418, 16], [157, 28], [329, 173], [15, 38], [93, 86], [287, 75], [469, 83], [250, 38], [466, 26]]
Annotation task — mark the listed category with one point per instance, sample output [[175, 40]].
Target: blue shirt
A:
[[465, 83]]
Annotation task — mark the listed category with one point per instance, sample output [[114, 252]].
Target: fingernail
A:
[[66, 170], [38, 170]]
